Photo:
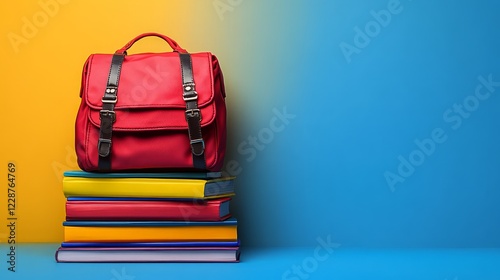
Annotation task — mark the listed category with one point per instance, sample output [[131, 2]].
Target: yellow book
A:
[[95, 231], [148, 187]]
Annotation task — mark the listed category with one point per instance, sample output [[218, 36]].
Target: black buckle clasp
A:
[[104, 149], [195, 148], [193, 113], [107, 113]]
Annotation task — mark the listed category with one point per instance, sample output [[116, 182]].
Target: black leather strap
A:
[[107, 114], [193, 114]]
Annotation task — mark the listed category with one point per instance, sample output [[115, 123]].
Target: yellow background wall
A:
[[43, 45]]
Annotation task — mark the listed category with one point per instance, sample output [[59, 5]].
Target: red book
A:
[[139, 210]]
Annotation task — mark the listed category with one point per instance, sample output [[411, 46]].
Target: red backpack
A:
[[151, 111]]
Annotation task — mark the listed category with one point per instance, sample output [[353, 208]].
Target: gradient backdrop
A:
[[373, 122]]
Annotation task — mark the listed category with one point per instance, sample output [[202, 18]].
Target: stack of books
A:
[[148, 217]]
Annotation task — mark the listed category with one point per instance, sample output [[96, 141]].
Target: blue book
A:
[[228, 222], [175, 175], [152, 244]]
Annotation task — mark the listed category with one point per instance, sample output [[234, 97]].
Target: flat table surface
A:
[[36, 261]]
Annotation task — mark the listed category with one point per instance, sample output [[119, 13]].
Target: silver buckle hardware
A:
[[190, 96], [111, 90], [109, 100], [188, 87], [190, 93]]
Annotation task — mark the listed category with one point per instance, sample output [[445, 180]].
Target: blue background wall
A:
[[372, 122], [360, 103], [369, 124]]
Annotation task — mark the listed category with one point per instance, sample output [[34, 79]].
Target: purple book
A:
[[153, 244]]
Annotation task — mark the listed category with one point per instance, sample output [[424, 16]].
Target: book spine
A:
[[149, 234], [133, 187], [142, 210]]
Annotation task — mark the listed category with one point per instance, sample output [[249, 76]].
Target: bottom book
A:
[[147, 254]]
